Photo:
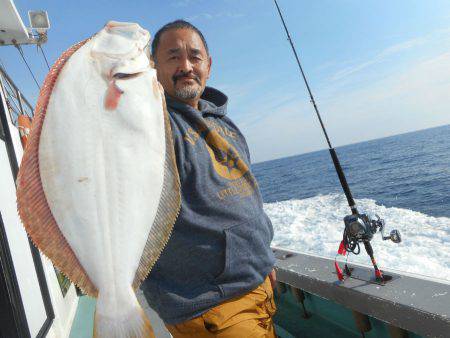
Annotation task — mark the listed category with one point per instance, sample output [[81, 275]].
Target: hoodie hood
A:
[[212, 102]]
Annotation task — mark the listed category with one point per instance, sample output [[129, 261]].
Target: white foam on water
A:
[[315, 226]]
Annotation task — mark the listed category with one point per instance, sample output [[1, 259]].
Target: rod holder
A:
[[300, 297], [362, 321], [281, 288], [397, 332]]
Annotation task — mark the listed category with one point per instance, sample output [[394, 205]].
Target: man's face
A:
[[182, 64]]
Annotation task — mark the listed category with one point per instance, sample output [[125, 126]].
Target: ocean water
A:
[[405, 179]]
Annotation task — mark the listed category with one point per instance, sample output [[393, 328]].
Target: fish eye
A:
[[126, 76]]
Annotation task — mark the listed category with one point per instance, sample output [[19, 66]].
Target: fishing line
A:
[[43, 54], [19, 48]]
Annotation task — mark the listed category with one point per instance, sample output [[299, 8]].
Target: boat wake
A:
[[315, 225]]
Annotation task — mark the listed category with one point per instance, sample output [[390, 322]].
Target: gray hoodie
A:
[[220, 245]]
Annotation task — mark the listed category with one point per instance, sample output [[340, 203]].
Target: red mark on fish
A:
[[112, 96]]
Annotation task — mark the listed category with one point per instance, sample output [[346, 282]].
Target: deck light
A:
[[39, 21]]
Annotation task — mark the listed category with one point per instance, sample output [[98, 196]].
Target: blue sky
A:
[[376, 68]]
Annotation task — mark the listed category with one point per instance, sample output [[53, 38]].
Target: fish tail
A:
[[134, 324]]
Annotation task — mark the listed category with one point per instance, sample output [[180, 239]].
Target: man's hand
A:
[[273, 278]]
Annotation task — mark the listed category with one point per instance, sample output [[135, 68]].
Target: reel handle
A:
[[394, 236]]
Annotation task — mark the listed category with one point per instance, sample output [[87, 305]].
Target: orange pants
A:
[[246, 316]]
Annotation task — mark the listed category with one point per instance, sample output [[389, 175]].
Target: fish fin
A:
[[168, 208], [32, 205], [134, 324]]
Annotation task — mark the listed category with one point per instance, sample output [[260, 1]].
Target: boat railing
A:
[[17, 104], [405, 306]]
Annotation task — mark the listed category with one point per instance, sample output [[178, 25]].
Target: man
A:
[[212, 279]]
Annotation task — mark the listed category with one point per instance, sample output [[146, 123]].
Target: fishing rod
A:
[[359, 228]]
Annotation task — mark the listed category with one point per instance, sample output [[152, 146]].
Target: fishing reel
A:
[[360, 228]]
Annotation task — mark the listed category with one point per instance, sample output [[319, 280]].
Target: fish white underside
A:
[[102, 172]]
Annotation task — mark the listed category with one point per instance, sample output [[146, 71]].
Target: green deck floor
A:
[[327, 319], [83, 324]]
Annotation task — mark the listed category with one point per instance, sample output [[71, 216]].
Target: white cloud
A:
[[407, 100], [182, 3], [378, 58], [210, 16], [438, 37], [287, 131]]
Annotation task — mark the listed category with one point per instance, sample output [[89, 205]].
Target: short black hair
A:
[[177, 24]]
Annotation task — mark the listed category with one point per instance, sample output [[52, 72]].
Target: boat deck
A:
[[407, 306]]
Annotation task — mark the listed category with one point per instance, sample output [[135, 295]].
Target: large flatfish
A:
[[98, 189]]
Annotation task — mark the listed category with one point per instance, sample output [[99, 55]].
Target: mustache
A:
[[177, 77]]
